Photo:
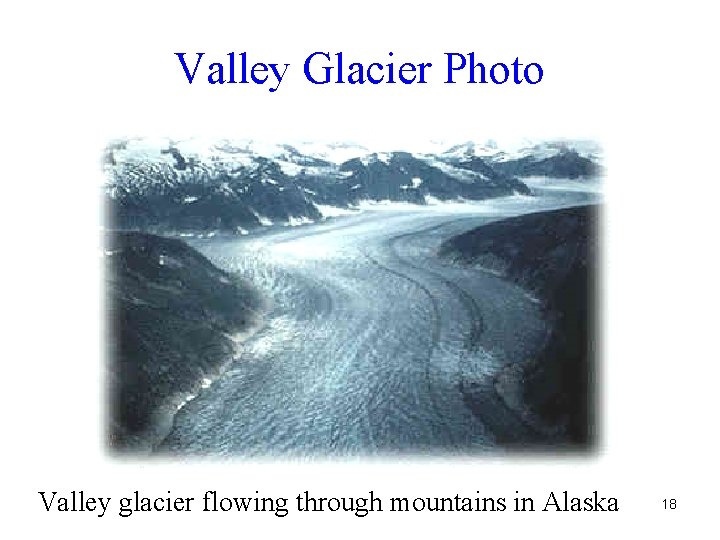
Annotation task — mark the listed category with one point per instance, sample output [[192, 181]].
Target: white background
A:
[[639, 79]]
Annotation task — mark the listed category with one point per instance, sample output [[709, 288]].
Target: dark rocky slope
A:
[[391, 177], [172, 317], [164, 201], [565, 164], [553, 254]]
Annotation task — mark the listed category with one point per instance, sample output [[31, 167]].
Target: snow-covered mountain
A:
[[556, 158], [199, 185]]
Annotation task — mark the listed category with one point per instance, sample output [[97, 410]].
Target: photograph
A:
[[309, 270], [314, 299]]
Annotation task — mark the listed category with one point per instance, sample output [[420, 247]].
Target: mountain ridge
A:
[[165, 186]]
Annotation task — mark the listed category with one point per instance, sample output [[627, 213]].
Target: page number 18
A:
[[670, 504]]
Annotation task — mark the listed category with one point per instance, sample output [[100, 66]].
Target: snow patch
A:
[[382, 157], [328, 211], [429, 199], [265, 222], [385, 204], [297, 221], [414, 184], [185, 401], [225, 188], [455, 172]]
